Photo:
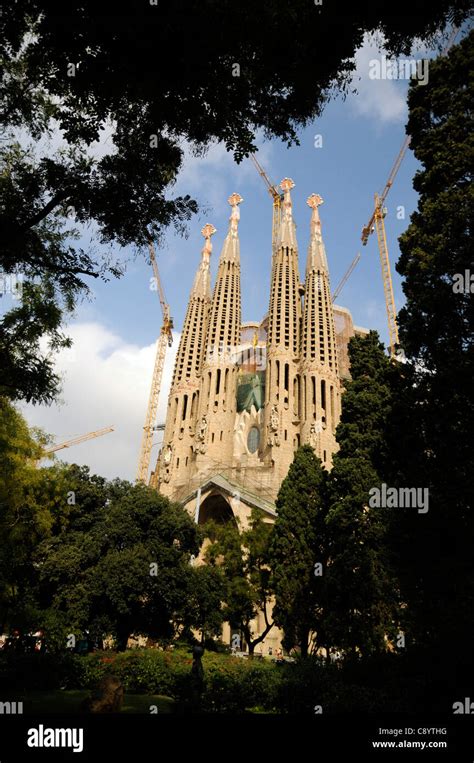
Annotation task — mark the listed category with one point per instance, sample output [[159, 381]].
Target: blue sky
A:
[[359, 144], [108, 372]]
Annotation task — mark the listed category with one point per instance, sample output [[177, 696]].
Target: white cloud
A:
[[383, 100], [106, 381], [214, 176]]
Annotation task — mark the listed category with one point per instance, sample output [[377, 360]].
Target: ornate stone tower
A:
[[215, 426], [283, 381], [244, 397], [321, 395], [183, 402]]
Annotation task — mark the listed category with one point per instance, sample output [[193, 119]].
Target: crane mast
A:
[[277, 200], [379, 215], [376, 223], [165, 340]]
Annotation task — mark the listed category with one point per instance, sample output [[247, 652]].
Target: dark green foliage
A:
[[298, 543], [360, 586], [382, 683], [433, 431], [243, 558], [231, 684], [104, 576], [33, 505], [151, 82], [206, 592]]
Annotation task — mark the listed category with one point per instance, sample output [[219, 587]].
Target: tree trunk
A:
[[123, 635], [304, 642]]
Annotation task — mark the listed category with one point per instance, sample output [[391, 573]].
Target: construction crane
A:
[[165, 340], [345, 277], [376, 223], [77, 440], [277, 200]]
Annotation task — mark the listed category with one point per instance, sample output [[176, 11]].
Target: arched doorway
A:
[[215, 508]]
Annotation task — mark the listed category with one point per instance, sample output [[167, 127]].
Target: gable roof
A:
[[223, 484]]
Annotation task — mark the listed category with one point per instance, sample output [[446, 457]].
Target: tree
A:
[[203, 610], [125, 570], [297, 546], [150, 81], [436, 330], [243, 557], [33, 502], [361, 589]]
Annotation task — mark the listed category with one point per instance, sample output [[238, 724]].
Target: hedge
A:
[[232, 685]]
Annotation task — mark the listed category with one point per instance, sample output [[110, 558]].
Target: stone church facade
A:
[[245, 396]]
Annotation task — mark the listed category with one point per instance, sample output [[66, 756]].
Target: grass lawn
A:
[[68, 701]]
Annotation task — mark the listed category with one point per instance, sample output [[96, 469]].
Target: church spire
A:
[[202, 280], [287, 235], [283, 384], [173, 464], [189, 355], [318, 337], [285, 303], [322, 395], [225, 317], [316, 252]]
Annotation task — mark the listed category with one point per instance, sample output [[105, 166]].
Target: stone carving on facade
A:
[[244, 421], [315, 430], [167, 455], [313, 437], [273, 438], [200, 443], [166, 458]]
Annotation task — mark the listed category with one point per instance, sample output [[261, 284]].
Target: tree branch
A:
[[52, 203]]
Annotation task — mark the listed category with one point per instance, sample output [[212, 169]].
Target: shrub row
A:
[[232, 685]]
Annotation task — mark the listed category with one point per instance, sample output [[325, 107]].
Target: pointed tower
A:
[[283, 383], [214, 432], [183, 402], [321, 394]]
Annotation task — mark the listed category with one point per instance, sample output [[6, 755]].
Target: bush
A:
[[231, 685], [310, 682], [39, 671], [234, 685]]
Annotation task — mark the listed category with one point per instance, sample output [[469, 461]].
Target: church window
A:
[[323, 395], [253, 439]]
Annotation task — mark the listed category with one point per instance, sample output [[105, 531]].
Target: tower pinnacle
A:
[[234, 200], [287, 228], [316, 252], [207, 232], [202, 279]]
